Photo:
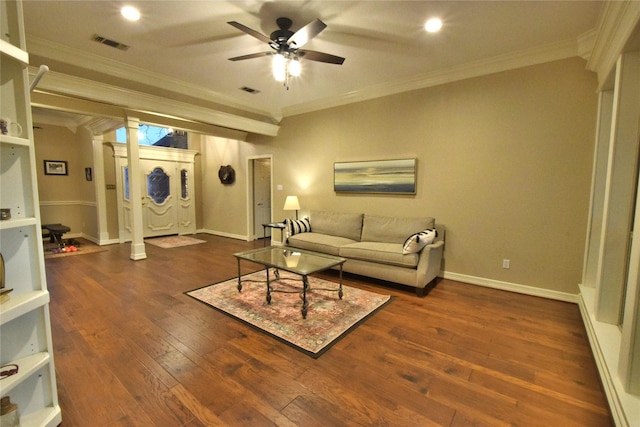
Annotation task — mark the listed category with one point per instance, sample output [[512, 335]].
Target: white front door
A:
[[168, 191], [161, 187]]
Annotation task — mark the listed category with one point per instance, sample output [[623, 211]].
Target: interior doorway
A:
[[259, 195]]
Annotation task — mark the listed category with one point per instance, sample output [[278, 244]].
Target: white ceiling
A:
[[188, 43]]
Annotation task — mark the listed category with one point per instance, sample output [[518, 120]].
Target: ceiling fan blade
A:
[[250, 56], [306, 33], [312, 55], [251, 32]]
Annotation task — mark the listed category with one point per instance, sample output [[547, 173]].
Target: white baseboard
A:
[[224, 234], [512, 287], [101, 241]]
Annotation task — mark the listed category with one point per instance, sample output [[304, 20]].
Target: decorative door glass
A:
[[184, 183], [158, 187]]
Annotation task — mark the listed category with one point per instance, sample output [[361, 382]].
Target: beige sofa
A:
[[373, 245]]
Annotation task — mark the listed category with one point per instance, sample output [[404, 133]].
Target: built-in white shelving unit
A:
[[25, 327]]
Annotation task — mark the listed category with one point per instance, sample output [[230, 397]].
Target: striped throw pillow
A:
[[297, 226]]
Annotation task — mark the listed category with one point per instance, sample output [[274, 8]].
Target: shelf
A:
[[26, 367], [49, 416], [19, 304], [25, 324], [17, 223], [15, 140], [15, 52]]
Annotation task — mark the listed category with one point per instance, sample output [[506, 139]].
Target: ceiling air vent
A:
[[250, 90], [108, 42]]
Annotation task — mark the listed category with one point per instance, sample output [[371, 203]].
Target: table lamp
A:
[[292, 204]]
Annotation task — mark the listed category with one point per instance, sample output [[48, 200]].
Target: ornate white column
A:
[[135, 189]]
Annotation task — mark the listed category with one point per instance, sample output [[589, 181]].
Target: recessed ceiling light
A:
[[130, 13], [433, 25]]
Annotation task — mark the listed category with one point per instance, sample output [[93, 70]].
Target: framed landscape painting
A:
[[377, 176]]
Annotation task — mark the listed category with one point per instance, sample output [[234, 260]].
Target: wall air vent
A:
[[250, 90], [108, 42]]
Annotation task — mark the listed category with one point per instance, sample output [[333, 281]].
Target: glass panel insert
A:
[[125, 179], [158, 187], [184, 183], [156, 136]]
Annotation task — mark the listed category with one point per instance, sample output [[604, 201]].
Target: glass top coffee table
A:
[[297, 261]]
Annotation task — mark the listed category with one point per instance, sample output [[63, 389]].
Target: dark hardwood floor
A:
[[132, 350]]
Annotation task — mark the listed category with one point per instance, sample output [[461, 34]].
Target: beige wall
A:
[[224, 207], [66, 199], [504, 162]]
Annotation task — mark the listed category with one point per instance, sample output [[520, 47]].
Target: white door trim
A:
[[249, 192]]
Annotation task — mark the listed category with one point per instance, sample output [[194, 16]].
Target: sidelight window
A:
[[184, 183]]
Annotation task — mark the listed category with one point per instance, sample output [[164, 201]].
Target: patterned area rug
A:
[[173, 241], [328, 318]]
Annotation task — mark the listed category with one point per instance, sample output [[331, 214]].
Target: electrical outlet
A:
[[506, 263]]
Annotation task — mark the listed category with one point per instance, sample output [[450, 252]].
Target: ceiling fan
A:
[[287, 43]]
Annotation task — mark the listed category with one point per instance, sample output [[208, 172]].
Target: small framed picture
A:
[[88, 174], [55, 167]]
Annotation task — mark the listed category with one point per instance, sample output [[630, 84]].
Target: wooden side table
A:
[[277, 225]]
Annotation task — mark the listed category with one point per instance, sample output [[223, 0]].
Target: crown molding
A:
[[551, 52], [125, 99], [100, 125], [71, 122], [547, 53], [586, 42], [95, 125], [619, 20], [45, 48]]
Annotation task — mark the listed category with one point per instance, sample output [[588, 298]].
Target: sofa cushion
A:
[[387, 229], [297, 226], [341, 224], [319, 242], [416, 242], [384, 253]]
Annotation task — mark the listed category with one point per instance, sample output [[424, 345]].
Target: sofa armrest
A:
[[429, 263]]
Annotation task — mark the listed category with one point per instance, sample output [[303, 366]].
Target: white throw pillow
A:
[[416, 242]]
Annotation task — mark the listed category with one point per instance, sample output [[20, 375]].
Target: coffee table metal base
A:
[[305, 287]]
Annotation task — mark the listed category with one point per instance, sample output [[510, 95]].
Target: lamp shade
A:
[[291, 204]]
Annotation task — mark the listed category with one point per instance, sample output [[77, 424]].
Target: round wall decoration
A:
[[226, 174]]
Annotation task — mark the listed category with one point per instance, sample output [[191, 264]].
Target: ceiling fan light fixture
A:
[[294, 67], [286, 46], [279, 67]]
